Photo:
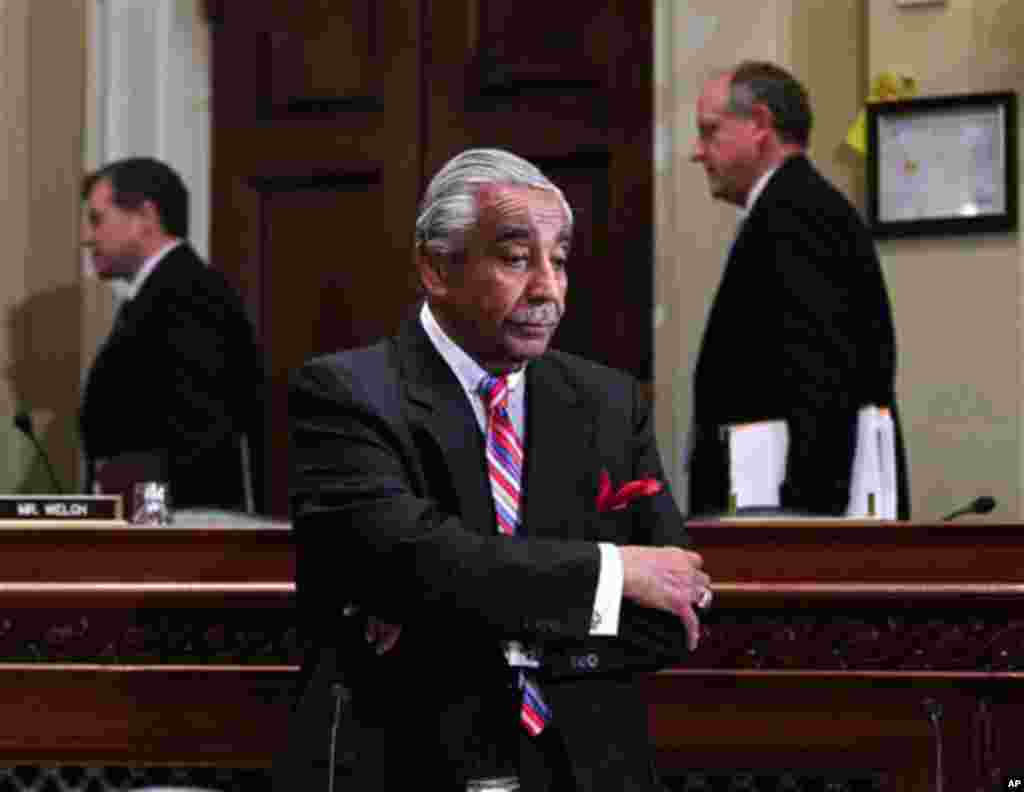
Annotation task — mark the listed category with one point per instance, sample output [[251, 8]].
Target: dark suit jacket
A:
[[179, 378], [393, 512], [800, 329]]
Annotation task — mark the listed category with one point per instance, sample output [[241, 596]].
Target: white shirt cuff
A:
[[608, 599]]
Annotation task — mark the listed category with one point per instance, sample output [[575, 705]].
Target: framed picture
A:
[[942, 165]]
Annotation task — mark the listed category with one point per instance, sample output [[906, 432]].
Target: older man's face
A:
[[726, 145], [502, 298]]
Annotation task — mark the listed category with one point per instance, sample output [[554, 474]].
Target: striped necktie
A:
[[504, 454], [505, 466]]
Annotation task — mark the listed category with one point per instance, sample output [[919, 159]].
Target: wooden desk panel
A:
[[827, 646], [862, 552], [142, 715], [889, 646], [57, 554]]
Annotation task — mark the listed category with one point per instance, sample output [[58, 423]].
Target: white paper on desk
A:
[[757, 462]]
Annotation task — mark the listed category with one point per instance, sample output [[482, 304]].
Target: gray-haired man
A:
[[459, 558]]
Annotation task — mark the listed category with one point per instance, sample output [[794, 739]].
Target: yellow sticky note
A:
[[857, 137]]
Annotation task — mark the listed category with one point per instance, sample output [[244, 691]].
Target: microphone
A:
[[980, 505], [23, 421]]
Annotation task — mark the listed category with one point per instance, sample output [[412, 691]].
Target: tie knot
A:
[[494, 391]]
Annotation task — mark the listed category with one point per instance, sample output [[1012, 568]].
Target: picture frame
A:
[[942, 165]]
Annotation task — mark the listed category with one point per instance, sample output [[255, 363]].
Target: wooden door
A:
[[329, 117]]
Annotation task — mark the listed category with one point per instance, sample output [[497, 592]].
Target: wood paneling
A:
[[893, 648], [316, 163], [535, 47], [860, 655], [342, 35], [329, 117]]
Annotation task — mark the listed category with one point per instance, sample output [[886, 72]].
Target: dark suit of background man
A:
[[800, 328], [180, 377], [395, 521]]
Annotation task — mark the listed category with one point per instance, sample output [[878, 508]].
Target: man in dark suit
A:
[[179, 381], [433, 604], [800, 329]]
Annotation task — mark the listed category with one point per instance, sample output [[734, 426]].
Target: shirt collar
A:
[[466, 370], [757, 189], [130, 288]]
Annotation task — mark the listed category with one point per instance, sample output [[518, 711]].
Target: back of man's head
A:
[[761, 82], [135, 180]]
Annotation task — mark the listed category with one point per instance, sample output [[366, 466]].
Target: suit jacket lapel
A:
[[439, 413], [559, 441]]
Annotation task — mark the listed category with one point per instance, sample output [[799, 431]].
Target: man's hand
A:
[[666, 578]]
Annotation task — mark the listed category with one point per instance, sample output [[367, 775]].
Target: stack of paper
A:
[[874, 465], [757, 464]]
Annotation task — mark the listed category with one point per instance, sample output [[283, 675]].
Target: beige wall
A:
[[956, 301], [42, 57]]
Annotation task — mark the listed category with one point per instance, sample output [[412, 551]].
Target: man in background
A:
[[800, 330], [487, 550], [175, 393]]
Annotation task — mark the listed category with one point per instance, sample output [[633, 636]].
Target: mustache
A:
[[546, 313]]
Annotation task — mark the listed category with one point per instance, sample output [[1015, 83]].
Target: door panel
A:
[[316, 171], [330, 115]]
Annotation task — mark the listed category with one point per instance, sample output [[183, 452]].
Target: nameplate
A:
[[61, 508]]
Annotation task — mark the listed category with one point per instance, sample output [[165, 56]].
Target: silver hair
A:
[[449, 207]]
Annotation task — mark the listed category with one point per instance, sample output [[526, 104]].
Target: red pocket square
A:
[[628, 492]]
